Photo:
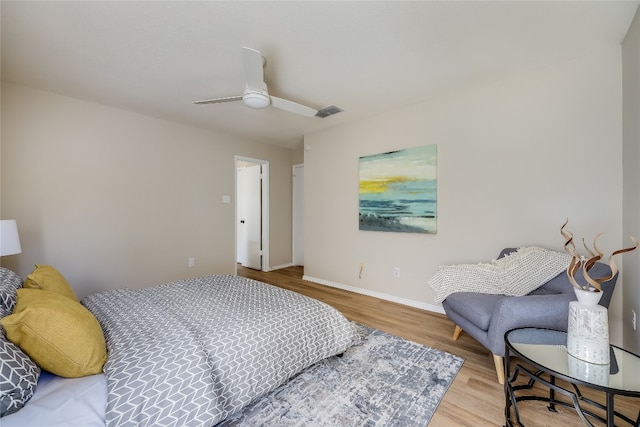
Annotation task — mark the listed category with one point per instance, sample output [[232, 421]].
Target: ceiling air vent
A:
[[328, 111]]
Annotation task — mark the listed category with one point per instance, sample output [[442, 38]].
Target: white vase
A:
[[590, 372], [588, 328], [587, 297]]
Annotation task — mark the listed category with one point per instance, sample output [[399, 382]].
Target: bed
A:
[[192, 352]]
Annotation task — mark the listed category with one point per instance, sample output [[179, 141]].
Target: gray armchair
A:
[[487, 317]]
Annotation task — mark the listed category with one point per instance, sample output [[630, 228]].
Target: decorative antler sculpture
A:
[[580, 261]]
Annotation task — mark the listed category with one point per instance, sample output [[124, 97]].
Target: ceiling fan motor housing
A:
[[255, 99]]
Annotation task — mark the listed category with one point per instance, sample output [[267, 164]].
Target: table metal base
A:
[[575, 396]]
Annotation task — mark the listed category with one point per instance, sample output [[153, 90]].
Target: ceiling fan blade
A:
[[293, 107], [255, 93], [219, 100], [254, 69]]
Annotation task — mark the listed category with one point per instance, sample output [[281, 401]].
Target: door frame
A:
[[264, 214], [294, 215]]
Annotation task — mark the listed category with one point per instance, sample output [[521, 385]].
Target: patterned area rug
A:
[[385, 381]]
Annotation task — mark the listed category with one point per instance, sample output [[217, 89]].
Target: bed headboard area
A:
[[44, 326]]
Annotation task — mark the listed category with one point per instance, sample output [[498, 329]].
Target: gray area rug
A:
[[384, 381]]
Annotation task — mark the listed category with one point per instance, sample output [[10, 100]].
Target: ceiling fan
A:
[[256, 95]]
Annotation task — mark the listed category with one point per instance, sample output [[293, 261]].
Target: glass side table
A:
[[546, 351]]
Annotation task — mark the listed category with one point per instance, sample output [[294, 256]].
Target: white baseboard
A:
[[403, 301], [278, 267]]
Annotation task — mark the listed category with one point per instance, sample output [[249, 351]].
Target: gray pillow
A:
[[9, 282], [18, 377], [18, 373]]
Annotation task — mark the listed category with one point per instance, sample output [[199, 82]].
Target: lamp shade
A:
[[9, 239]]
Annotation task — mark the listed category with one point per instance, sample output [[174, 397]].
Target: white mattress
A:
[[63, 402]]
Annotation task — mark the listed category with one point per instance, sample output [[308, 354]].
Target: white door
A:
[[298, 215], [249, 217]]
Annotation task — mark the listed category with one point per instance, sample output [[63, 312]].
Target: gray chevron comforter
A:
[[191, 353]]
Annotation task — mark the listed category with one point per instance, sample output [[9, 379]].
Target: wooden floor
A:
[[475, 398]]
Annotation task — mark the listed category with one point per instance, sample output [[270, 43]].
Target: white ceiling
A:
[[365, 57]]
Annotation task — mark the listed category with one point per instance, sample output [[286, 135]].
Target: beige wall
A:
[[297, 155], [631, 192], [116, 199], [515, 159]]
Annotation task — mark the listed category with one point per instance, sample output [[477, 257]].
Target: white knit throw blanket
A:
[[516, 274]]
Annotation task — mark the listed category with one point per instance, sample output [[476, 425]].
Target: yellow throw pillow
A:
[[59, 334], [48, 278]]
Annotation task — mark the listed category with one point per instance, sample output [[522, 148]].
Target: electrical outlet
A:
[[192, 262], [396, 272], [634, 319]]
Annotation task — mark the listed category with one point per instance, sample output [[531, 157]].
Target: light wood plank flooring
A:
[[475, 398]]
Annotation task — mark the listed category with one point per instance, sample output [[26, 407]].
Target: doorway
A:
[[251, 213]]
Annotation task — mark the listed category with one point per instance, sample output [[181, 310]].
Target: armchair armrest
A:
[[536, 311]]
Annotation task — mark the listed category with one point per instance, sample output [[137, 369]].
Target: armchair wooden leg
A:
[[456, 332], [499, 362]]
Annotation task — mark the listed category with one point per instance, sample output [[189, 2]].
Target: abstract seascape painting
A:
[[398, 191]]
